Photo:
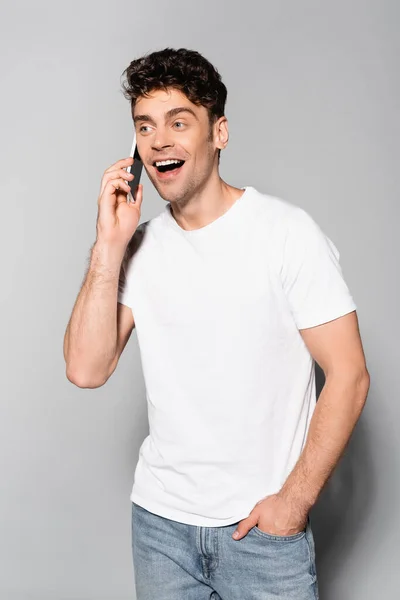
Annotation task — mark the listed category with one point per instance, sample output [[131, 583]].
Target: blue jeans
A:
[[176, 561]]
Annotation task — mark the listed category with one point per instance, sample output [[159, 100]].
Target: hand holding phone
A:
[[119, 214]]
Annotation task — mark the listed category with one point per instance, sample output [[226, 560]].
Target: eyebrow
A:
[[168, 115]]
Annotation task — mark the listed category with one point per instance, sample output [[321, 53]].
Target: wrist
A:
[[107, 256], [302, 499]]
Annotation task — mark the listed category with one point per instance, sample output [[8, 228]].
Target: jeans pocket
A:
[[279, 538]]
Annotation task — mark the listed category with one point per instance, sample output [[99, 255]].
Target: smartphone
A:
[[135, 169]]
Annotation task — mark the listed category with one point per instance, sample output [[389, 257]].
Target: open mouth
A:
[[164, 166]]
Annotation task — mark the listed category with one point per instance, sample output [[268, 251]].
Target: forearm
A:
[[91, 336], [335, 416]]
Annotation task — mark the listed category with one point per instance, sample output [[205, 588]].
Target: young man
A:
[[234, 295]]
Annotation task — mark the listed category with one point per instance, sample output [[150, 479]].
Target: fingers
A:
[[113, 174], [119, 185], [120, 164], [114, 192], [244, 526]]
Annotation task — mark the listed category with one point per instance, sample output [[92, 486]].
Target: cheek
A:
[[143, 147]]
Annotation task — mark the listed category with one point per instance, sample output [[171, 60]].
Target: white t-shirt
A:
[[230, 383]]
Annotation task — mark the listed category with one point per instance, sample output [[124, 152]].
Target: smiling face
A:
[[169, 126]]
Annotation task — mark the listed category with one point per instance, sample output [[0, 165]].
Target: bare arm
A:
[[99, 327], [337, 348]]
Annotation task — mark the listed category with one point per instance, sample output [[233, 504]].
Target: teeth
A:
[[167, 162]]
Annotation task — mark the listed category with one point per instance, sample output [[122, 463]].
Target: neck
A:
[[206, 204]]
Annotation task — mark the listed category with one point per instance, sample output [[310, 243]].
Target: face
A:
[[169, 126]]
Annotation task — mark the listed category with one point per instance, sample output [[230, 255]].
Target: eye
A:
[[179, 123], [143, 127]]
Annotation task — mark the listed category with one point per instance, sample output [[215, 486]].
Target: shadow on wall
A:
[[343, 506]]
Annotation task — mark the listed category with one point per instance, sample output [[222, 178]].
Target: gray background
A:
[[313, 109]]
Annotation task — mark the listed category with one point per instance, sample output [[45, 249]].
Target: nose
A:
[[161, 140], [158, 145]]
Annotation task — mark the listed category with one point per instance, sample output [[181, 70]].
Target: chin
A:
[[174, 193], [164, 192], [178, 192]]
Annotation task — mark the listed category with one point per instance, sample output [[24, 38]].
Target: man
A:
[[234, 295]]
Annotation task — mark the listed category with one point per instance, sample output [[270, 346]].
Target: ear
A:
[[221, 133]]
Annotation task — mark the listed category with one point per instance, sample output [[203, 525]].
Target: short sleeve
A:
[[311, 275]]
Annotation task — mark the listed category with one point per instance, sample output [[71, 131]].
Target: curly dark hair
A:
[[185, 70]]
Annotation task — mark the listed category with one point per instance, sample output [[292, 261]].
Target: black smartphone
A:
[[135, 169]]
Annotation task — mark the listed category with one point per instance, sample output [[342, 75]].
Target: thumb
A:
[[244, 526]]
